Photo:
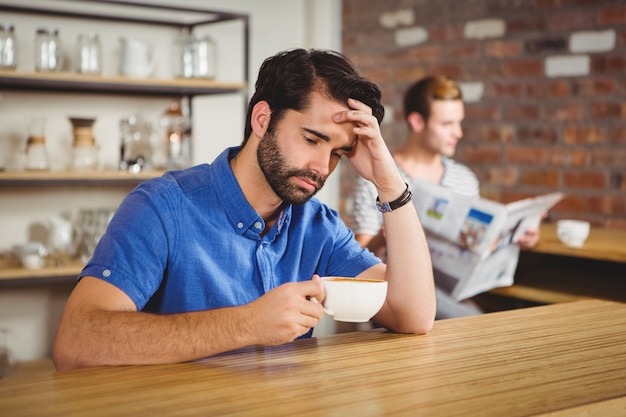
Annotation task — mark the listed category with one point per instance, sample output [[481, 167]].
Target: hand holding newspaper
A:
[[472, 241]]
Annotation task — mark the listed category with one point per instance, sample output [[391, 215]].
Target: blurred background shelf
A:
[[12, 274], [81, 83], [24, 178]]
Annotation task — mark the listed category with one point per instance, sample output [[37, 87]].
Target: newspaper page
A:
[[472, 241], [463, 274]]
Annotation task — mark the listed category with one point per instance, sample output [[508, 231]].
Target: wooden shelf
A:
[[23, 178], [47, 274], [80, 83]]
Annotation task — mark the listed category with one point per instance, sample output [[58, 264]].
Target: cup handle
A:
[[326, 310]]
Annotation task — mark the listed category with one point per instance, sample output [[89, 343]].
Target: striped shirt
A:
[[366, 218]]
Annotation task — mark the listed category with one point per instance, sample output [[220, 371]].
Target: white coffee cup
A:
[[352, 299], [572, 232]]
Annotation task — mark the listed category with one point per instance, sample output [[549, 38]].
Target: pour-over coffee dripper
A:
[[84, 148]]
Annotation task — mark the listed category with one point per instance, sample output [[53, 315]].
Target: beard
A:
[[278, 173]]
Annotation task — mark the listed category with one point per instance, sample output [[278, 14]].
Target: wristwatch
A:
[[395, 204]]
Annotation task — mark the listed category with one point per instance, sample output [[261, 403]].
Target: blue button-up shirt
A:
[[190, 241]]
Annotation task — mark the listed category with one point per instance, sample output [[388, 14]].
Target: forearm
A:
[[94, 338], [411, 298]]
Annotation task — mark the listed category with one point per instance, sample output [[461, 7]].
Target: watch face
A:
[[383, 207]]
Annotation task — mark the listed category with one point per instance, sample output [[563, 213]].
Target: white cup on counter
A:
[[572, 233]]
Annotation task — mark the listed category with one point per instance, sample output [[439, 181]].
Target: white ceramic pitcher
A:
[[137, 58], [59, 234]]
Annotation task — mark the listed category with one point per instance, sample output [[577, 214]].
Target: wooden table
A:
[[552, 272], [551, 360], [602, 244]]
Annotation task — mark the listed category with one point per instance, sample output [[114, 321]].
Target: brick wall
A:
[[544, 83]]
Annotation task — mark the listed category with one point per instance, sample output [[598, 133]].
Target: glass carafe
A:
[[36, 158], [135, 145], [176, 127], [84, 148]]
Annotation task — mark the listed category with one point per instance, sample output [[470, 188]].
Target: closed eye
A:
[[314, 142], [314, 137]]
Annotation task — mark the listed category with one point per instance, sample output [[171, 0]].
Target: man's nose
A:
[[458, 131], [321, 164]]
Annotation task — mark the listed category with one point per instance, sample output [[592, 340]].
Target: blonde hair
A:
[[420, 96]]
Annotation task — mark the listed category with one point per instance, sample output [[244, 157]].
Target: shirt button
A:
[[240, 225], [258, 225], [106, 273]]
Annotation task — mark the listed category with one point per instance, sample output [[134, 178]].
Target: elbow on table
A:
[[418, 326], [65, 356], [421, 327], [421, 321], [62, 361]]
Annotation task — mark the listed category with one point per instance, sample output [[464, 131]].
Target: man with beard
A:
[[226, 255]]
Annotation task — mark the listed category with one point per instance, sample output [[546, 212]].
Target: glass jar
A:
[[48, 50], [88, 55], [8, 47], [196, 56]]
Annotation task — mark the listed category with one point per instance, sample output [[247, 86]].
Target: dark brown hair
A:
[[287, 79]]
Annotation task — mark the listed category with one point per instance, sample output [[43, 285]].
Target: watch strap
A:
[[395, 204]]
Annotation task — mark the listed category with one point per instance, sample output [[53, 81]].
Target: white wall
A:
[[30, 312]]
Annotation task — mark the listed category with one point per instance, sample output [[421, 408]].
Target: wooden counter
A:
[[552, 360], [602, 244], [552, 272]]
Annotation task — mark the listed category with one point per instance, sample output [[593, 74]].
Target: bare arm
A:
[[410, 305], [101, 326]]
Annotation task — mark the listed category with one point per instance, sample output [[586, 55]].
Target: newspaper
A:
[[472, 241]]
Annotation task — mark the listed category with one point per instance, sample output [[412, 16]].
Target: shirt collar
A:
[[242, 217]]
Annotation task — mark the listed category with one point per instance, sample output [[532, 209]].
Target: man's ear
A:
[[260, 118], [416, 121]]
